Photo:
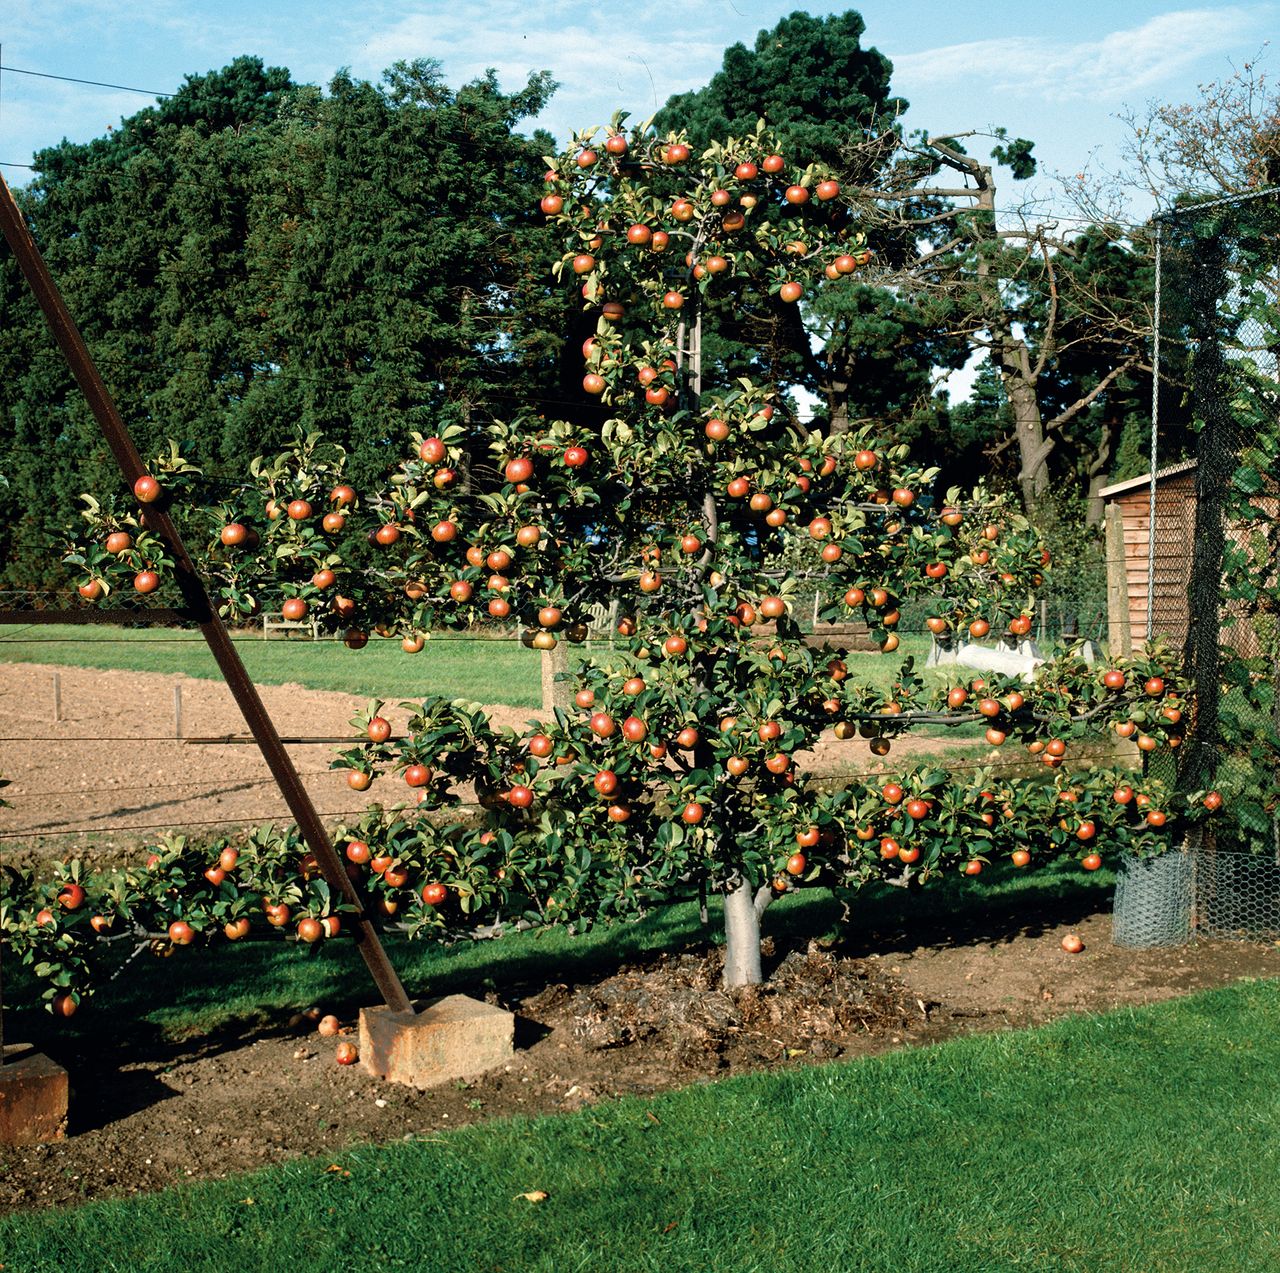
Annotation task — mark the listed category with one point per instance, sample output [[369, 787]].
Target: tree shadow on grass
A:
[[205, 1001], [954, 913]]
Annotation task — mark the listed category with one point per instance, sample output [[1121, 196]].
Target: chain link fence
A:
[[1213, 572]]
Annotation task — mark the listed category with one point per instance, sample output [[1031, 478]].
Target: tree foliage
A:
[[865, 356], [252, 257], [809, 77]]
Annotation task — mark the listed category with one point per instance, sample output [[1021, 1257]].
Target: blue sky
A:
[[1056, 73]]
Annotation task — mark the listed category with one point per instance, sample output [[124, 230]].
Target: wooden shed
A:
[[1128, 541]]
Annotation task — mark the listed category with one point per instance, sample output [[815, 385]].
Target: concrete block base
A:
[[33, 1097], [451, 1038]]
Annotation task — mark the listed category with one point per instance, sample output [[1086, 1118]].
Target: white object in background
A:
[[1021, 660]]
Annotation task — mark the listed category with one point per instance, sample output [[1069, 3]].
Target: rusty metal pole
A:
[[198, 604]]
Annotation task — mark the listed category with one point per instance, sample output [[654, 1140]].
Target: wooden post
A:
[[177, 709], [57, 696], [1119, 636]]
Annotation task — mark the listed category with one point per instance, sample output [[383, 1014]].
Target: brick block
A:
[[33, 1097], [451, 1038]]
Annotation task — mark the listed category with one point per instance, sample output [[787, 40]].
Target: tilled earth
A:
[[110, 773]]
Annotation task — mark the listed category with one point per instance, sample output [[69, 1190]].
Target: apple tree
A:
[[694, 503], [702, 508]]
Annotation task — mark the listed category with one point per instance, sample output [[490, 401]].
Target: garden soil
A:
[[144, 1118]]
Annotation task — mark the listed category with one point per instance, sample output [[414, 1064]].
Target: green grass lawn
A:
[[482, 670], [1141, 1141]]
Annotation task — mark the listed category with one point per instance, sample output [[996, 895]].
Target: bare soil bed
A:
[[148, 1118], [111, 772]]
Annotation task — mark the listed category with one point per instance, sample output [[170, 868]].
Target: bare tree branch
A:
[[1069, 413]]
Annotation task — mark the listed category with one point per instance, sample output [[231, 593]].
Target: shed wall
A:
[[1175, 528]]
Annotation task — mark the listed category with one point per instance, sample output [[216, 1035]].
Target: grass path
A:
[[486, 671]]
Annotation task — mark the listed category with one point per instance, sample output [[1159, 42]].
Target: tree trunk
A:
[[555, 691], [1096, 508], [742, 937], [1033, 447], [1009, 353], [836, 390]]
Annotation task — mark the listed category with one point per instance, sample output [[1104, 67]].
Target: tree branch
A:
[[763, 900], [1079, 405], [1046, 339], [919, 192]]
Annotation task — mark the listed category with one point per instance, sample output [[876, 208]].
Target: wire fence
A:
[[1212, 535]]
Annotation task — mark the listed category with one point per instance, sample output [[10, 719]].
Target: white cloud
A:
[[636, 73], [1112, 68], [43, 30]]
